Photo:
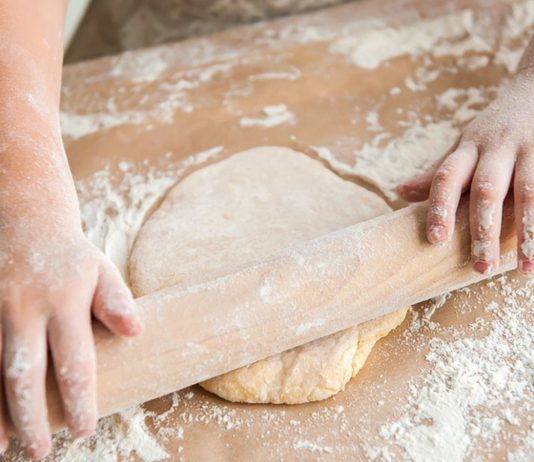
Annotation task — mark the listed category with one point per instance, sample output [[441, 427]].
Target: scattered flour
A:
[[118, 436], [272, 116], [471, 385], [453, 34], [514, 35], [312, 447], [113, 206], [171, 95], [400, 159], [472, 100]]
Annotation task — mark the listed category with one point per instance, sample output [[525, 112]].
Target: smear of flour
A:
[[371, 48], [120, 436], [471, 385], [145, 66], [272, 116], [292, 74], [514, 35], [464, 102], [171, 95], [398, 160], [113, 209], [312, 447]]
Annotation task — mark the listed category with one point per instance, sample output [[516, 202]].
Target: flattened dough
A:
[[246, 209]]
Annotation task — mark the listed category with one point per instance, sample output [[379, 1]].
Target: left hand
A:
[[495, 153]]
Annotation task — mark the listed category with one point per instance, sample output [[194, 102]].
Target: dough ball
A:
[[241, 211]]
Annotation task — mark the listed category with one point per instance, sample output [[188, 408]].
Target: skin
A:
[[52, 279], [495, 153]]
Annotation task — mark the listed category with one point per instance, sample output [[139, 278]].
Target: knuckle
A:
[[444, 174], [483, 190], [525, 194]]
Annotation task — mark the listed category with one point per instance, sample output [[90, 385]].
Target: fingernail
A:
[[483, 267], [436, 234], [38, 449], [527, 267], [4, 444]]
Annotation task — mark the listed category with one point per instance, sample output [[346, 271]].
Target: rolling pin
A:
[[321, 287]]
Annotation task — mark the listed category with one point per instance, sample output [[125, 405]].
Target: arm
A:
[[51, 276], [494, 153]]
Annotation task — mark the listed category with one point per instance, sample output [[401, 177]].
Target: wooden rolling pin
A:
[[329, 284]]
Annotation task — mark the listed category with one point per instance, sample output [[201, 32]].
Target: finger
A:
[[72, 346], [113, 303], [524, 211], [488, 190], [24, 366], [417, 189], [4, 437], [450, 180]]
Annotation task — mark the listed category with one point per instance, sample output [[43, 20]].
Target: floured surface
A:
[[245, 210], [461, 360], [168, 111]]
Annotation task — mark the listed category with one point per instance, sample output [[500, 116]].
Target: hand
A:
[[494, 153], [51, 279]]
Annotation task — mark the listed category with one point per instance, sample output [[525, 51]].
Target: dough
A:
[[246, 209]]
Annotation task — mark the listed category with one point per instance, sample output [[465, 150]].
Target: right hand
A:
[[51, 280]]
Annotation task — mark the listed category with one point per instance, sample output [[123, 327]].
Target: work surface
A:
[[455, 381]]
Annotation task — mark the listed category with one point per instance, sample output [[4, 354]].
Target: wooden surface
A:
[[192, 103]]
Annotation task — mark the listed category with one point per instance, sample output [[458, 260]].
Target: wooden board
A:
[[154, 110]]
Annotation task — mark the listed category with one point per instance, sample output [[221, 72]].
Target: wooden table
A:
[[164, 112]]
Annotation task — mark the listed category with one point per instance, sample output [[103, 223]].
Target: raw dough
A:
[[243, 210]]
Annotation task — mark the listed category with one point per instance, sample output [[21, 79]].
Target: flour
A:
[[514, 35], [79, 125], [171, 95], [292, 74], [145, 66], [486, 211], [464, 102], [273, 116], [312, 447], [468, 382], [122, 435], [453, 34], [112, 215], [402, 158]]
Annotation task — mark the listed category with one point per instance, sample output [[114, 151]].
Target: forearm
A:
[[32, 159]]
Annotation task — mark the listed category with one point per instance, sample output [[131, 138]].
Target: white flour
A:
[[472, 384], [513, 36], [112, 215], [372, 48], [272, 116], [464, 103], [171, 95], [387, 164]]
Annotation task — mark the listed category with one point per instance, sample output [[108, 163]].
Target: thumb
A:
[[417, 189], [113, 304]]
